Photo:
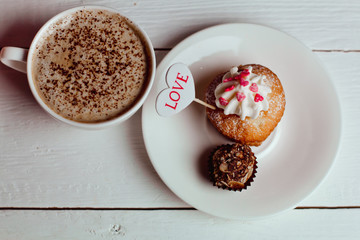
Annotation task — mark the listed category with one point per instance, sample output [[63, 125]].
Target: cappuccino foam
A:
[[90, 66]]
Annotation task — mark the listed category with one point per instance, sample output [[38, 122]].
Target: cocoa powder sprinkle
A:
[[91, 65]]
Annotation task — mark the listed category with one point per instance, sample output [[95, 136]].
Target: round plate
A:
[[295, 158]]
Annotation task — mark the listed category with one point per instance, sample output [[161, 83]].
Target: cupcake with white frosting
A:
[[250, 102]]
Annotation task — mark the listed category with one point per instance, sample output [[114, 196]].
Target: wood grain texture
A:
[[189, 224], [47, 164], [320, 24], [43, 161]]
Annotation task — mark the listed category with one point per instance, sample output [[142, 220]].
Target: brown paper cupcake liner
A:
[[211, 171]]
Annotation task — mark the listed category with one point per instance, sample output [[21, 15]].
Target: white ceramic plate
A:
[[294, 159]]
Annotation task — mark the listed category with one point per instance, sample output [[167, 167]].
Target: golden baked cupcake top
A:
[[252, 121]]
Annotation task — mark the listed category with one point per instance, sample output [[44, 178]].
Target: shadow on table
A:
[[18, 34], [140, 152]]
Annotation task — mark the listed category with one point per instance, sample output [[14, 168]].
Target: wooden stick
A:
[[204, 104]]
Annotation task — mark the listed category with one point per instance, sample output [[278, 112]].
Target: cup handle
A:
[[14, 57]]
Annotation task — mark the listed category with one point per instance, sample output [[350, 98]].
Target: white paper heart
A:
[[180, 92]]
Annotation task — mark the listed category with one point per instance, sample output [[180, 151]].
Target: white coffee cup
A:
[[21, 60]]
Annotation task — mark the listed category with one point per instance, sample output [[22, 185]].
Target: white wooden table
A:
[[58, 182]]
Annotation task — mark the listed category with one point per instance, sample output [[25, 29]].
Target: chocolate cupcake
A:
[[232, 167]]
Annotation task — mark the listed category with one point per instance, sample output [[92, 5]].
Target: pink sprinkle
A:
[[240, 96], [244, 83], [228, 79], [242, 77], [254, 87], [229, 88], [238, 77], [258, 98], [245, 73], [223, 101]]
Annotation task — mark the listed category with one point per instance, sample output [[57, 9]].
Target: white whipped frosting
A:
[[242, 93]]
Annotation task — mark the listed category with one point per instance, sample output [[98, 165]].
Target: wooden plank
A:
[[47, 164], [188, 224], [319, 24]]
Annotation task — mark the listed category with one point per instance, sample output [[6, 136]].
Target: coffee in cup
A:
[[90, 65]]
